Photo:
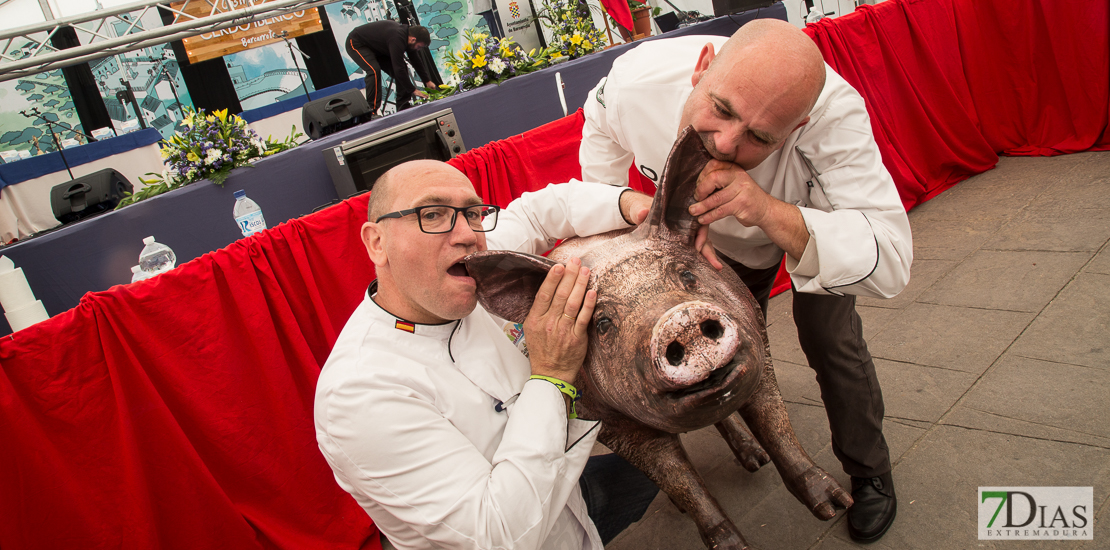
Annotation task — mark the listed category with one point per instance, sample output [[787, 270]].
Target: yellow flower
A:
[[193, 157], [165, 152], [466, 47], [480, 36], [478, 61], [576, 39], [221, 114], [210, 118]]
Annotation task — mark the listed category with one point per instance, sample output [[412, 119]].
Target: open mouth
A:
[[458, 270], [714, 379]]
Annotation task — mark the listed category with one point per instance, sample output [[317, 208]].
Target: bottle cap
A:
[[148, 240], [240, 194]]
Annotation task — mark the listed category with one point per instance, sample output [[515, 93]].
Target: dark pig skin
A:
[[675, 346]]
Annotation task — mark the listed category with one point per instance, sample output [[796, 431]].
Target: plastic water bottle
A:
[[156, 257], [137, 273], [247, 214]]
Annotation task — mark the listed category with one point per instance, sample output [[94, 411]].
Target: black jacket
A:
[[388, 41]]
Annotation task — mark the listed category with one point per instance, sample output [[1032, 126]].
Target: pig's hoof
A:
[[751, 456], [725, 537], [819, 492]]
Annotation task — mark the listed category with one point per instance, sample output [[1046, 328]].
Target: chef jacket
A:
[[830, 168], [437, 431]]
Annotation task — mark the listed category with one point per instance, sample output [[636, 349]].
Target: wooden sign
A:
[[245, 36]]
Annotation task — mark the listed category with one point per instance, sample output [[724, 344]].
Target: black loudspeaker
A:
[[324, 116], [88, 195]]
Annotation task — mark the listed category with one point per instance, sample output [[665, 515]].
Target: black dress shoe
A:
[[874, 508]]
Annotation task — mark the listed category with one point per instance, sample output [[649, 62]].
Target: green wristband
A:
[[564, 387]]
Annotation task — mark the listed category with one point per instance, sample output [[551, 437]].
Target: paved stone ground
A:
[[994, 362]]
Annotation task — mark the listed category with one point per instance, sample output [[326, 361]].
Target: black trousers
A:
[[616, 494], [373, 67], [831, 335]]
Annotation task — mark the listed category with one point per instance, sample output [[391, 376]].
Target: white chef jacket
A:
[[860, 239], [438, 433]]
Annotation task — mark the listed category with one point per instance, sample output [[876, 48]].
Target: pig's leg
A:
[[765, 414], [742, 442], [660, 455]]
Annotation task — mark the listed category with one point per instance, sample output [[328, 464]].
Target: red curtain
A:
[[951, 83], [177, 412]]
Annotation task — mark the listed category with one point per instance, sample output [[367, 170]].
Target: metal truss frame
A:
[[38, 55]]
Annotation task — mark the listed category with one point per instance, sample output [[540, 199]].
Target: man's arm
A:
[[418, 64], [537, 220], [854, 236], [603, 159], [398, 45]]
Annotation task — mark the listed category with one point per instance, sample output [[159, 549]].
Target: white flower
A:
[[192, 173], [497, 65], [212, 156], [166, 177], [454, 80], [478, 80]]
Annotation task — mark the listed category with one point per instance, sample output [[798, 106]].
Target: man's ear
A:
[[802, 123], [372, 239], [507, 281], [704, 59]]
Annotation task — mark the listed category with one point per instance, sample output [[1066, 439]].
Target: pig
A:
[[674, 346]]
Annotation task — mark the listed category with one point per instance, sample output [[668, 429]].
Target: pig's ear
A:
[[670, 213], [507, 281]]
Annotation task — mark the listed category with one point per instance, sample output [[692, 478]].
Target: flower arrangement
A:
[[208, 146], [572, 29], [484, 59]]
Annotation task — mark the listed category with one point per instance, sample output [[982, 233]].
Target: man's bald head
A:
[[409, 174], [750, 96], [776, 50]]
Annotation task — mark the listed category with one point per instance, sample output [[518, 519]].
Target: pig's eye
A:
[[604, 324], [687, 277]]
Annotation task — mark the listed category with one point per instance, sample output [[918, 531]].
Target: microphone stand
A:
[[683, 16], [51, 124], [285, 36]]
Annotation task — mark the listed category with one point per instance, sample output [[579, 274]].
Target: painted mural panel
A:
[[267, 74], [153, 74], [47, 92]]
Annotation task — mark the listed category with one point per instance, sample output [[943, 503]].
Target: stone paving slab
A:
[[1075, 328], [1067, 397], [958, 338], [1007, 280]]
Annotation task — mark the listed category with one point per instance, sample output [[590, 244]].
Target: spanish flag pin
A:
[[405, 326]]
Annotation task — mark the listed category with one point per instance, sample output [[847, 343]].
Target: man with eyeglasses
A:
[[431, 412]]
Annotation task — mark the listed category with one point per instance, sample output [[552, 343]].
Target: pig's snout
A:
[[691, 341]]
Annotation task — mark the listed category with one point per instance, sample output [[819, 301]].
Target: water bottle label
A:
[[251, 223]]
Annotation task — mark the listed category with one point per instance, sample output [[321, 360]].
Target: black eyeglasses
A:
[[440, 218]]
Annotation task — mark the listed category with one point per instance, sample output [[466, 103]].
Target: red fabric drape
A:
[[503, 170], [177, 412], [951, 83]]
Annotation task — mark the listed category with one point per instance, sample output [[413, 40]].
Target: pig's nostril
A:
[[675, 353], [712, 329]]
